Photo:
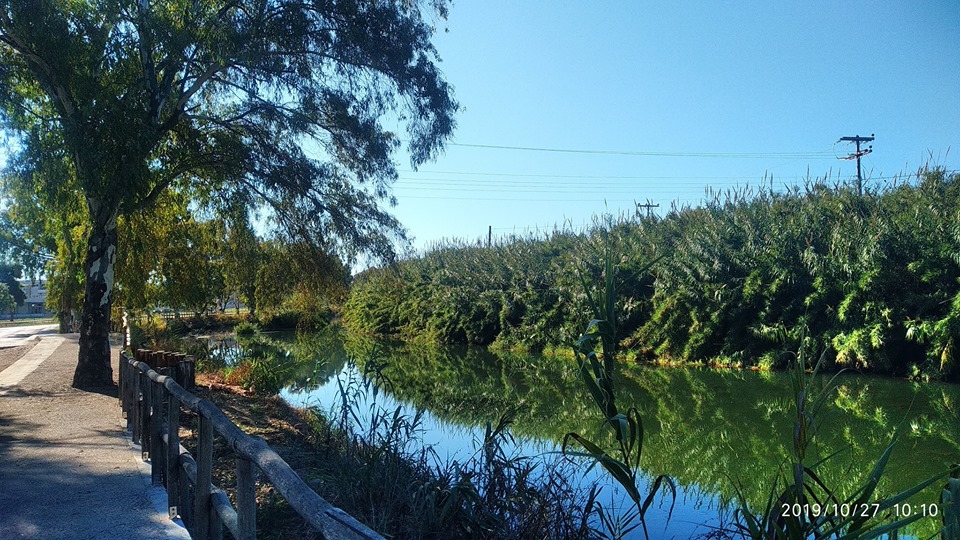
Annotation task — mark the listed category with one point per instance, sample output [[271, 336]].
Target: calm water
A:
[[713, 431]]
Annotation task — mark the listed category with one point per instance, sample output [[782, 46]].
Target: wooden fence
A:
[[152, 395]]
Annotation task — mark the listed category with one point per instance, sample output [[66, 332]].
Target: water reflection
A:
[[715, 432]]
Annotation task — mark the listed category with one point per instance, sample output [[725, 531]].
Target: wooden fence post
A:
[[132, 414], [173, 455], [157, 411], [216, 525], [187, 498], [246, 499], [132, 403], [188, 369], [145, 404], [121, 388], [202, 509], [122, 377]]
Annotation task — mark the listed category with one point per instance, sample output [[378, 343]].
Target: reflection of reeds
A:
[[390, 480], [802, 505], [708, 428]]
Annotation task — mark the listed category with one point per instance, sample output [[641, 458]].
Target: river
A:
[[717, 433]]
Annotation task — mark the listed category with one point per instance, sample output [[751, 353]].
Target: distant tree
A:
[[9, 274], [217, 99], [242, 258], [17, 243], [48, 226], [192, 278], [299, 276], [7, 302]]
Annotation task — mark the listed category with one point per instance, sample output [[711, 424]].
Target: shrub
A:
[[246, 328]]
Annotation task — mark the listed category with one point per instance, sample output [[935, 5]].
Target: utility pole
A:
[[489, 235], [648, 206], [857, 155]]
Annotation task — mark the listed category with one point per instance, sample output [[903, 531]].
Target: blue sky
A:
[[731, 91]]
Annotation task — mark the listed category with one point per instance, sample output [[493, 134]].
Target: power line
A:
[[450, 182], [542, 175], [515, 199], [527, 189], [734, 155], [406, 182]]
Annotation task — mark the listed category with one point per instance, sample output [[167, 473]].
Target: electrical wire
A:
[[726, 155]]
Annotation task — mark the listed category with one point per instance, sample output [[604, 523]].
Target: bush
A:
[[284, 320], [246, 328]]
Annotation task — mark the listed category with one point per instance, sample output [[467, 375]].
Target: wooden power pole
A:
[[857, 155], [648, 206]]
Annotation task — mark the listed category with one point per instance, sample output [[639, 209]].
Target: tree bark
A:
[[68, 312], [93, 365]]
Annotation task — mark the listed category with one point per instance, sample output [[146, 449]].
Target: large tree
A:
[[277, 101]]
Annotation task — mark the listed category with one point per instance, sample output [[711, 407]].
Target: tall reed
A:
[[802, 505], [873, 279], [596, 356]]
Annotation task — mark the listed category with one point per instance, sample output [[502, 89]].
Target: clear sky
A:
[[676, 96]]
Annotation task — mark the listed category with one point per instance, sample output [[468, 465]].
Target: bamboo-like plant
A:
[[873, 278], [597, 370], [802, 506]]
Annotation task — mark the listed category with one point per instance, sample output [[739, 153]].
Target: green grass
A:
[[7, 323]]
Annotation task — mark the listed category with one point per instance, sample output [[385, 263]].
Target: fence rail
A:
[[152, 395]]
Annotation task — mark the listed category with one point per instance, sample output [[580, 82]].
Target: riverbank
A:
[[380, 476], [870, 279], [721, 434], [283, 427]]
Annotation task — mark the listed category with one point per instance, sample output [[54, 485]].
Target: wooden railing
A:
[[152, 400]]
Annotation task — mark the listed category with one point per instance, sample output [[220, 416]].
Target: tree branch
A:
[[197, 85], [146, 60], [172, 175], [45, 72]]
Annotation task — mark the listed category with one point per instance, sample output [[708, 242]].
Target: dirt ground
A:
[[10, 355]]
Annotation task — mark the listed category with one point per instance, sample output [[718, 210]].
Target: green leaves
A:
[[597, 370], [121, 103], [807, 506], [871, 280]]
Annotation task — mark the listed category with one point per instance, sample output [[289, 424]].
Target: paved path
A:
[[67, 468], [12, 336]]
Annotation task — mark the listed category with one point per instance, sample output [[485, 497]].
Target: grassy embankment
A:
[[750, 277]]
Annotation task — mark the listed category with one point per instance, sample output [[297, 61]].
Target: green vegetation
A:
[[116, 109], [807, 506], [369, 459], [874, 280], [384, 475], [245, 329], [803, 505], [597, 363], [726, 432]]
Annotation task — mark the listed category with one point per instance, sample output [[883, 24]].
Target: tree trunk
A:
[[93, 366], [67, 312]]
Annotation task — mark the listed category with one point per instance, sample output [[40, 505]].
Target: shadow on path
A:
[[67, 467]]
